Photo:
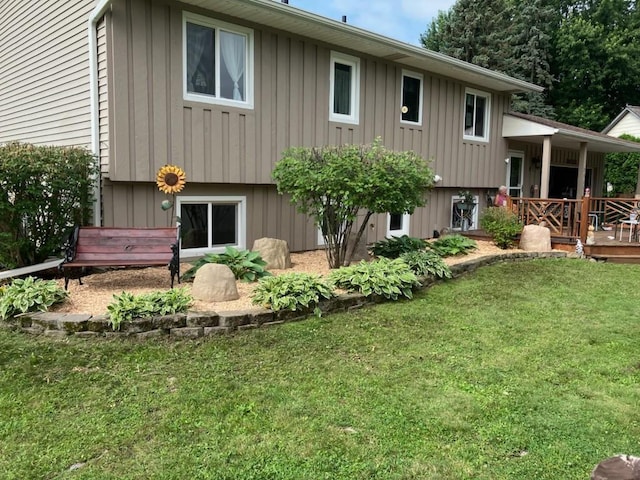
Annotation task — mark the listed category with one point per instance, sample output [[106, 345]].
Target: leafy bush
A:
[[291, 291], [245, 264], [128, 306], [395, 246], [387, 278], [28, 295], [452, 245], [502, 224], [43, 191], [426, 263]]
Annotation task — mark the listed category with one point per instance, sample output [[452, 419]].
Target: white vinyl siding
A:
[[629, 124], [44, 72]]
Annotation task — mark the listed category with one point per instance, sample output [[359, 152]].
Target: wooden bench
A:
[[120, 247]]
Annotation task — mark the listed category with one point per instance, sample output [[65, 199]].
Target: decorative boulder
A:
[[620, 467], [535, 238], [214, 283], [273, 251]]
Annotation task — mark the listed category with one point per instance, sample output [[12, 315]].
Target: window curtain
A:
[[480, 109], [199, 74], [342, 89], [232, 48]]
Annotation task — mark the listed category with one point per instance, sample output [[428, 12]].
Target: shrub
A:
[[384, 277], [245, 264], [426, 263], [452, 245], [28, 295], [128, 306], [502, 224], [395, 246], [44, 190], [337, 184], [291, 291]]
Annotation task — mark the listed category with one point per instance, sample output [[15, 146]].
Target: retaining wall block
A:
[[73, 323], [23, 320], [350, 300], [216, 331], [55, 333], [48, 320], [167, 322], [151, 334], [233, 319], [261, 316], [88, 334], [99, 323], [137, 325], [187, 332], [202, 319]]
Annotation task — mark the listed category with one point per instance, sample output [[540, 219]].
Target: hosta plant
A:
[[426, 263], [292, 291], [245, 264], [452, 245], [127, 306], [28, 295], [387, 278], [395, 246]]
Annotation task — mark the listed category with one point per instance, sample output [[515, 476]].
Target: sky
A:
[[402, 20]]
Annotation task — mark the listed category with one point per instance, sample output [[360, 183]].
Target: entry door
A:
[[515, 173]]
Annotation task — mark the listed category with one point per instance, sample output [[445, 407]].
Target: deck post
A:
[[584, 217]]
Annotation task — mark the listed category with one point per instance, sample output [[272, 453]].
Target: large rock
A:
[[535, 238], [273, 251], [621, 467], [214, 283]]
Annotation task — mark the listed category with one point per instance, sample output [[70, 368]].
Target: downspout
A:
[[97, 13]]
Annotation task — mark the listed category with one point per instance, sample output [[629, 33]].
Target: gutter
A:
[[97, 13]]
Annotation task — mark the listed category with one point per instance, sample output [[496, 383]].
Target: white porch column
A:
[[582, 169], [546, 167]]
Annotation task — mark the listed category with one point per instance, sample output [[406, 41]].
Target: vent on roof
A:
[[344, 19], [285, 2]]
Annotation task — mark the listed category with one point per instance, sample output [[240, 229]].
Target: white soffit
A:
[[277, 15]]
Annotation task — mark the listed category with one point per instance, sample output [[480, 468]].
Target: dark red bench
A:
[[120, 247]]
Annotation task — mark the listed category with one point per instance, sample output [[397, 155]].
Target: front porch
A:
[[616, 238]]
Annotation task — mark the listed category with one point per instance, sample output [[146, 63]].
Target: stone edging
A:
[[198, 324]]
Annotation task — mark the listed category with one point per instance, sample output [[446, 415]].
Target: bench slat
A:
[[123, 249], [111, 263], [170, 233], [122, 256]]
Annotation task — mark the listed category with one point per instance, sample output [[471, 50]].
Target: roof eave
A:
[[365, 41]]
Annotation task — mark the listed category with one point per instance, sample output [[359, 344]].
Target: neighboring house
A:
[[222, 87], [627, 121]]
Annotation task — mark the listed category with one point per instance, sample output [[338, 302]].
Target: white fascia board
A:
[[520, 127]]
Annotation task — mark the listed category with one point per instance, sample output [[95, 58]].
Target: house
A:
[[627, 121], [222, 87]]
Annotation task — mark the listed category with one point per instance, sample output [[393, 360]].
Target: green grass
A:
[[521, 371]]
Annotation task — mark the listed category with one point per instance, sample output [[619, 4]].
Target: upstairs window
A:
[[345, 88], [411, 108], [476, 115], [218, 62]]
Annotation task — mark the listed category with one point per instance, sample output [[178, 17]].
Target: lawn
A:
[[520, 371]]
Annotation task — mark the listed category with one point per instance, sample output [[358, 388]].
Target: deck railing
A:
[[563, 216]]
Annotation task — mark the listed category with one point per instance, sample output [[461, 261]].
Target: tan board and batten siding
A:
[[234, 149], [44, 72]]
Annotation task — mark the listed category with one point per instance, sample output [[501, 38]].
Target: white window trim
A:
[[241, 225], [419, 76], [218, 25], [487, 114], [406, 226], [354, 62]]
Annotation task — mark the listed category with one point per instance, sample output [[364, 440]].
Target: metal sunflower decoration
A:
[[171, 179]]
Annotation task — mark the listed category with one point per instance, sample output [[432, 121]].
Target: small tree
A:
[[334, 184], [43, 191]]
